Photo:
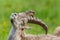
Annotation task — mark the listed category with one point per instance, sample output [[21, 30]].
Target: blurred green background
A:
[[46, 10]]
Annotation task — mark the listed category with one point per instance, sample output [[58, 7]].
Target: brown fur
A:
[[57, 31]]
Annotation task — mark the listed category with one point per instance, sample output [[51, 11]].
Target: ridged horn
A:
[[39, 22]]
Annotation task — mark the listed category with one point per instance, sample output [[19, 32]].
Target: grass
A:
[[47, 10]]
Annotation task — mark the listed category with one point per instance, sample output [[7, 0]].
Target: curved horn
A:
[[39, 22]]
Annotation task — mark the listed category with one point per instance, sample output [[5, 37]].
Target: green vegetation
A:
[[46, 10]]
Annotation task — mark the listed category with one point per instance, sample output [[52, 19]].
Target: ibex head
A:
[[27, 17]]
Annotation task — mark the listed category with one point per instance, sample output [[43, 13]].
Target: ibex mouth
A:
[[39, 22]]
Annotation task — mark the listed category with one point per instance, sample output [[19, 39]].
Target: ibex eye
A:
[[15, 14]]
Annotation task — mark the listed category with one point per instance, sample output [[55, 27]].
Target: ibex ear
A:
[[30, 12]]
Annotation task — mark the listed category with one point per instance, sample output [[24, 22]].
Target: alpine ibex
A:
[[19, 23]]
